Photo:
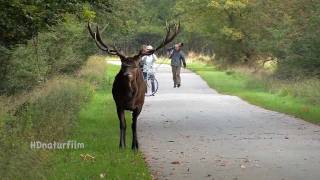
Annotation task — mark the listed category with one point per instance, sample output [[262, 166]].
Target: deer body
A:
[[128, 92], [128, 96], [129, 87]]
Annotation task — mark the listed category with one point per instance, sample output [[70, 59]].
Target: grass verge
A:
[[78, 108], [258, 92], [98, 129]]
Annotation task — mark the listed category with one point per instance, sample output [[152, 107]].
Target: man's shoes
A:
[[178, 85], [174, 86]]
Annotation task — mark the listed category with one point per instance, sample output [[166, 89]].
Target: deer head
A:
[[171, 32], [130, 64]]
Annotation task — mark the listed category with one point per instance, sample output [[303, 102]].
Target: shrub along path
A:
[[196, 133]]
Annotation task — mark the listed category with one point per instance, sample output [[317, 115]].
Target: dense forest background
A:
[[41, 38]]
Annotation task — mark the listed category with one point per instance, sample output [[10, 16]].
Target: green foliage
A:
[[21, 20], [62, 49], [88, 14], [4, 62], [94, 71], [247, 31], [303, 51], [48, 115], [40, 39], [50, 41]]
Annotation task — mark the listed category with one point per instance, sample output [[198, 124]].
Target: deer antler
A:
[[168, 38], [101, 45]]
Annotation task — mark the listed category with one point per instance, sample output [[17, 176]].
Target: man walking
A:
[[177, 60]]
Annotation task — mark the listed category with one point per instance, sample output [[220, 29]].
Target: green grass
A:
[[255, 92], [98, 129]]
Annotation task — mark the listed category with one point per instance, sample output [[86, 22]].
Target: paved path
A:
[[195, 133]]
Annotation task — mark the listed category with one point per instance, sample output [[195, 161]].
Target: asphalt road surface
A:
[[193, 132]]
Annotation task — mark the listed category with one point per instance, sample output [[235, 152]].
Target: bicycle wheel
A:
[[152, 86]]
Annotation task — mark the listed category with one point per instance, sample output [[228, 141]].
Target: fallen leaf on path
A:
[[223, 164], [175, 162], [87, 157], [257, 165]]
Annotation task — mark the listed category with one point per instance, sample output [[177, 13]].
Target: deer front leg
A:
[[122, 120], [135, 115]]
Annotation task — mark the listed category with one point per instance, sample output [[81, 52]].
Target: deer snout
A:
[[128, 75]]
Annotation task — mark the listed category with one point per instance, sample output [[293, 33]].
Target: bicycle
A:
[[152, 84]]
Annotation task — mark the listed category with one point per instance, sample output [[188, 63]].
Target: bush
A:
[[63, 49], [48, 115], [308, 89], [4, 62], [94, 71]]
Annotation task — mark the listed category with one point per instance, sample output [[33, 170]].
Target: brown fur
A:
[[128, 92]]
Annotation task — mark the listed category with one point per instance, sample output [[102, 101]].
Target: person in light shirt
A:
[[147, 62]]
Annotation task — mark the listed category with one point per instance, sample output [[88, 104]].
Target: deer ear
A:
[[122, 59]]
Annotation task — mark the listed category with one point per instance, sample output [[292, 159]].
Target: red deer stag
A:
[[129, 88]]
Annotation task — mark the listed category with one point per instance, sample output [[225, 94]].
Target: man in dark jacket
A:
[[177, 60]]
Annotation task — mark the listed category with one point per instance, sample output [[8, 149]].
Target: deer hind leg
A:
[[122, 120], [135, 115]]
